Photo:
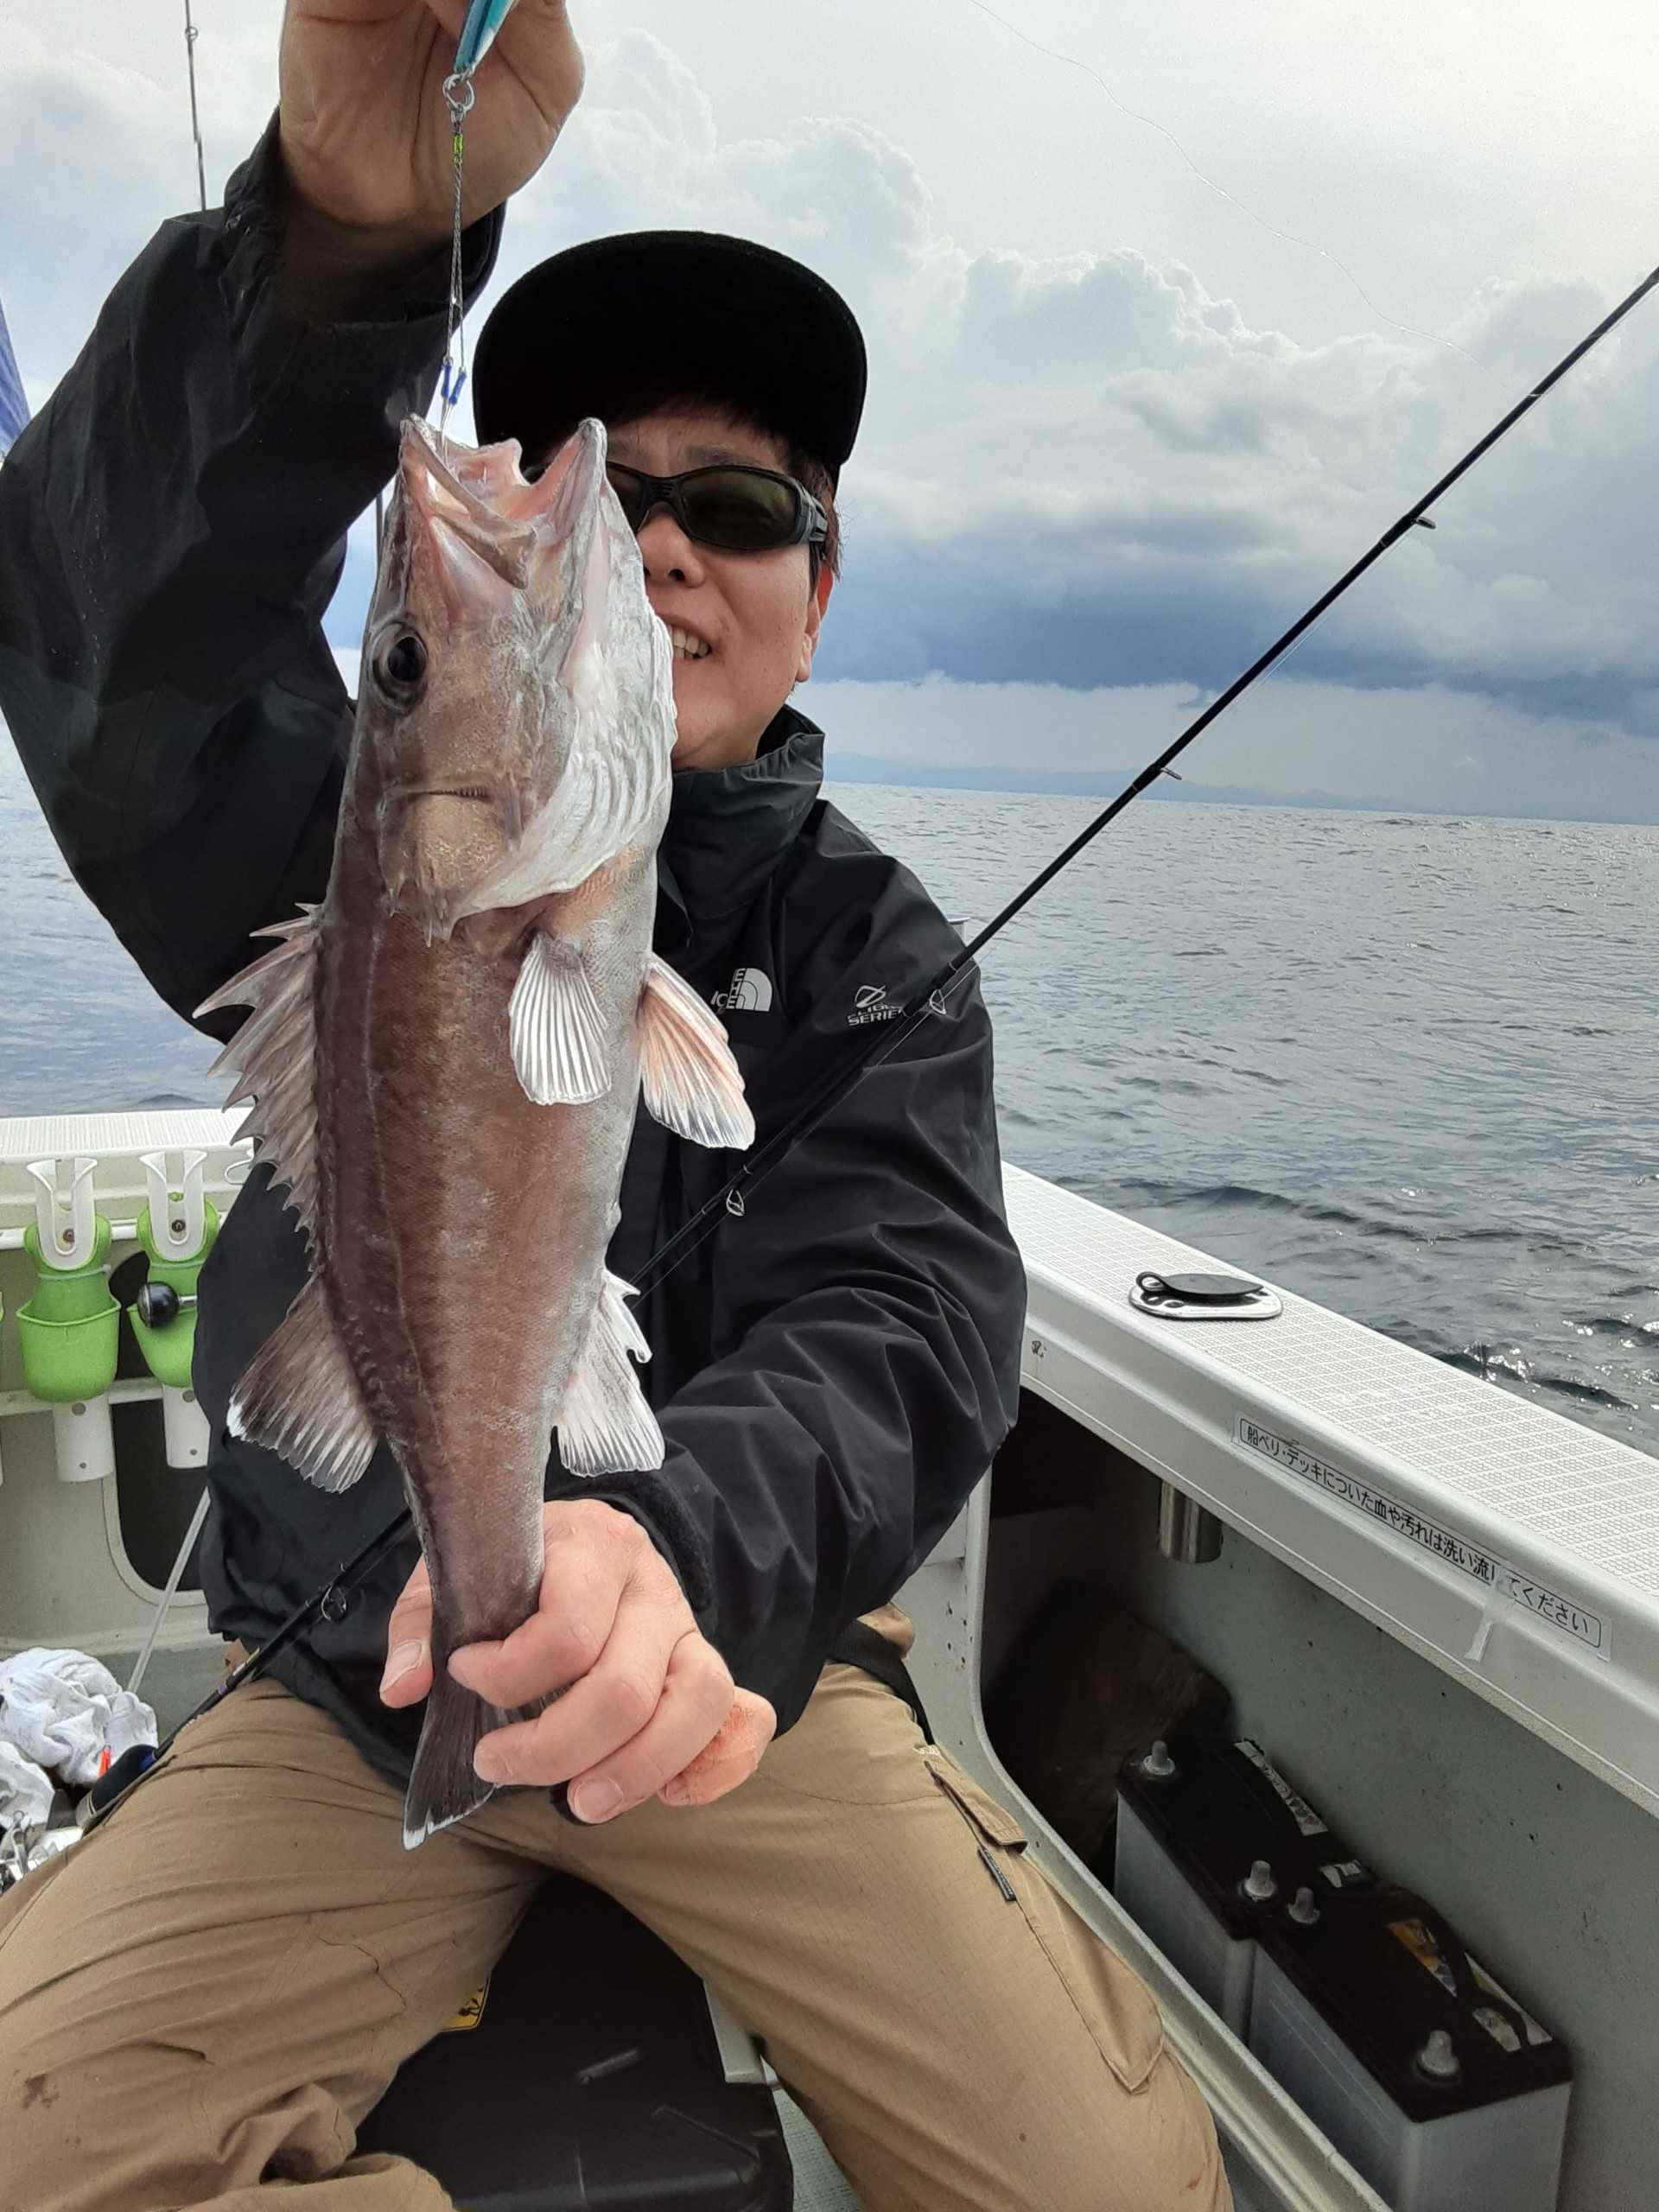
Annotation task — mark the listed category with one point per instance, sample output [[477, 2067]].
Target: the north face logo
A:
[[750, 992]]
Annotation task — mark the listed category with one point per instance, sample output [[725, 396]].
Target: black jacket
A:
[[832, 1371]]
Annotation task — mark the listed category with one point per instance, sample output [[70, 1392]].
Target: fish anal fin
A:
[[604, 1425], [687, 1073], [300, 1399], [556, 1030]]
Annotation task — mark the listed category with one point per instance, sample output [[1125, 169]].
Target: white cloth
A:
[[63, 1710], [25, 1790]]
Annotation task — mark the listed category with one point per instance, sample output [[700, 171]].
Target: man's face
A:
[[758, 613]]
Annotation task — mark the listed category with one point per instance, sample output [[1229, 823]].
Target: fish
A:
[[446, 1053]]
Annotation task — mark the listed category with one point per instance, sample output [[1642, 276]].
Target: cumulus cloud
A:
[[1093, 470]]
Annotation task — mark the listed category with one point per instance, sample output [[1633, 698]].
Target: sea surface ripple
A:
[[1405, 1065]]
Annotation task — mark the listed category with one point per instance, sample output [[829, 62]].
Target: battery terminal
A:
[[1259, 1885], [1439, 2058]]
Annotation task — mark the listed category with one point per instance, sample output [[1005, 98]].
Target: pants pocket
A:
[[1111, 1998]]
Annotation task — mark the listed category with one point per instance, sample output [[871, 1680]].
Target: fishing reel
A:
[[156, 1304]]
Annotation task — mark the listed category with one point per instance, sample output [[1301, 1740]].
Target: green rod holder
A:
[[175, 1229], [69, 1329], [169, 1346]]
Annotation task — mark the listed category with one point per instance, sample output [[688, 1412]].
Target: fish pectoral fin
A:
[[557, 1031], [690, 1079], [604, 1425], [301, 1398]]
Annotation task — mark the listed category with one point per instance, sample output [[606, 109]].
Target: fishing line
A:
[[458, 98], [170, 1588], [479, 28], [1288, 237], [191, 35], [878, 1043]]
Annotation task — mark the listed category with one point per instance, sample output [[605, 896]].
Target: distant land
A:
[[872, 768], [1068, 782]]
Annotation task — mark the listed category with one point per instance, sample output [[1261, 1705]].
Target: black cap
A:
[[614, 327]]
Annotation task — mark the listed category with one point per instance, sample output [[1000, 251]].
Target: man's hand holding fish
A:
[[653, 1709], [547, 925]]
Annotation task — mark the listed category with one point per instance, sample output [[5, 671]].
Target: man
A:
[[210, 1992]]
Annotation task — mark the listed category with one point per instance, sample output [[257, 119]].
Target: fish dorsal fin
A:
[[300, 1397], [604, 1425], [275, 1051], [558, 1032], [687, 1073]]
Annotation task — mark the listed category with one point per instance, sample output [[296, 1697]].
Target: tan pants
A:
[[217, 1983]]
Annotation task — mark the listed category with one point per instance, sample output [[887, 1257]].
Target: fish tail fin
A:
[[443, 1785]]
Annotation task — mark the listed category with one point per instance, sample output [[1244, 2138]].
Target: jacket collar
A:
[[728, 828]]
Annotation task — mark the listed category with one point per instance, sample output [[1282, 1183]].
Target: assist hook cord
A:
[[880, 1041]]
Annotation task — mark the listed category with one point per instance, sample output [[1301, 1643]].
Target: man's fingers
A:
[[452, 13], [409, 1640], [696, 1695], [605, 1709], [573, 1621], [537, 45], [730, 1758], [408, 1677], [412, 1614]]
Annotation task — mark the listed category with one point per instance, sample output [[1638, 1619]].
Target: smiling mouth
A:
[[687, 647]]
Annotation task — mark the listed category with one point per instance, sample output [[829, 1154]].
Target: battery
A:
[[1211, 1843], [1420, 2067]]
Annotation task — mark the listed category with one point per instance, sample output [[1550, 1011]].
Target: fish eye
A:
[[400, 665]]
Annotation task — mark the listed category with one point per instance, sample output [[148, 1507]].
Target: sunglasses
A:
[[731, 506]]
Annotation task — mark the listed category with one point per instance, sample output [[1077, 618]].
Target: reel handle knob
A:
[[157, 1304]]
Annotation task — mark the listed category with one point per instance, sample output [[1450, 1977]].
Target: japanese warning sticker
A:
[[1547, 1605]]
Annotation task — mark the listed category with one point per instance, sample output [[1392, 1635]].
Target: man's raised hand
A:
[[365, 131]]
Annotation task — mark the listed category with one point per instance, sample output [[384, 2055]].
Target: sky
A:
[[1167, 325]]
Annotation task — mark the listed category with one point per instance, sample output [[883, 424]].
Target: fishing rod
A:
[[878, 1042]]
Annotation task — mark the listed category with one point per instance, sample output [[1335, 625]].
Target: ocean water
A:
[[1405, 1065]]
